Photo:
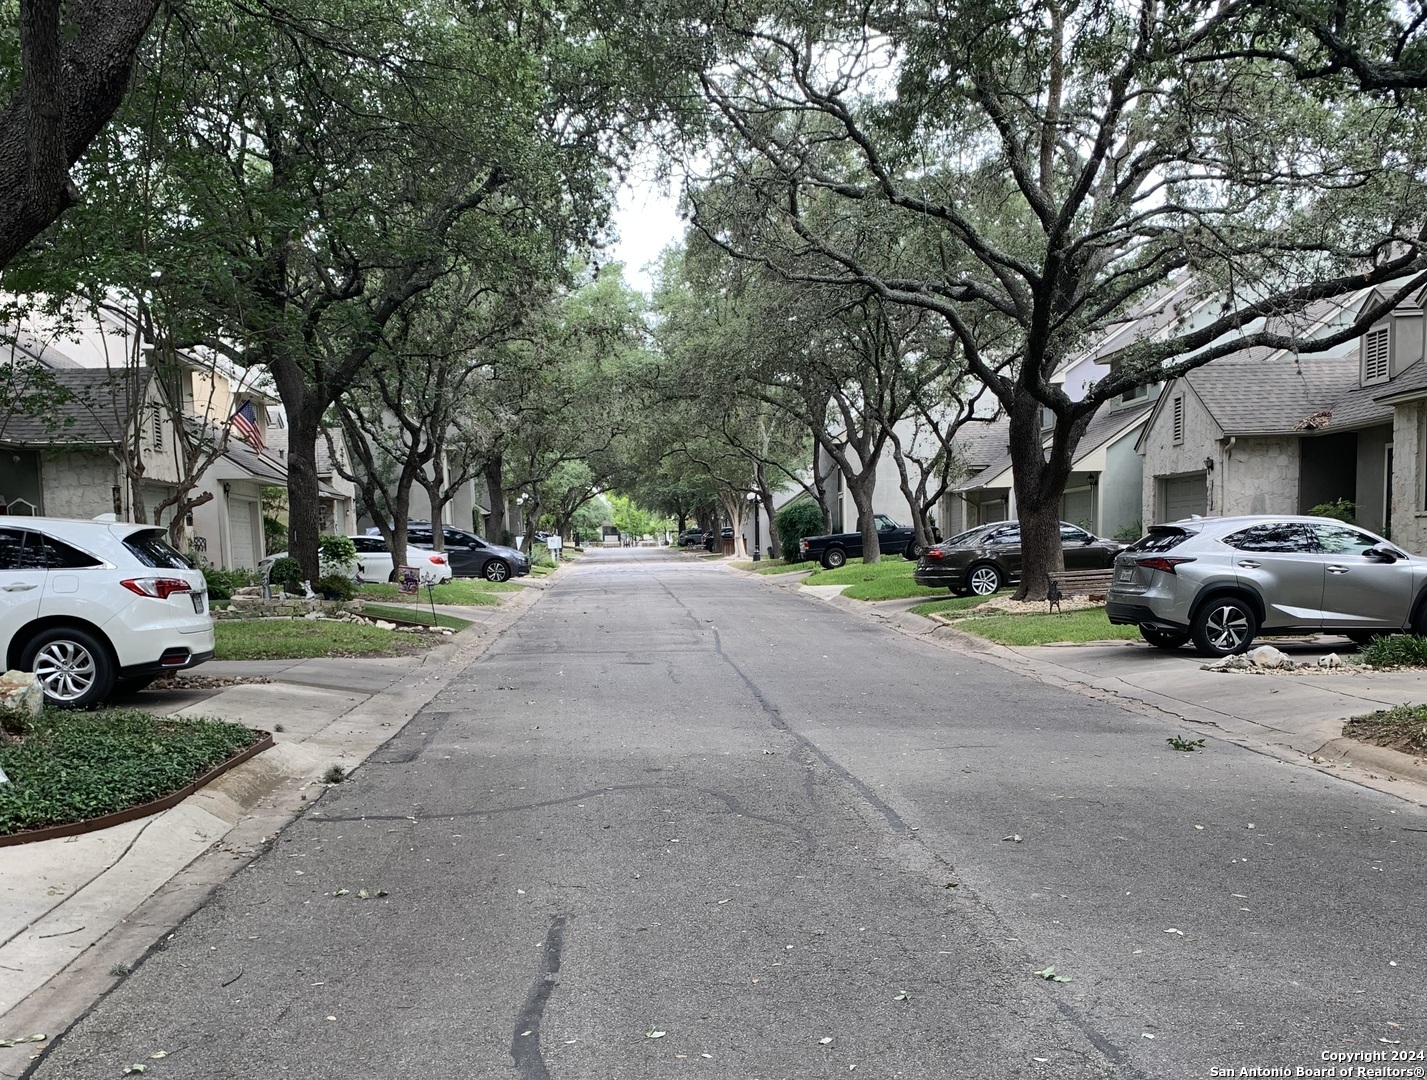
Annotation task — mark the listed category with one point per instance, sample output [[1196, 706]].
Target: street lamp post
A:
[[753, 501]]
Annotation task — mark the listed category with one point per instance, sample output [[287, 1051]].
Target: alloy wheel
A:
[[66, 669]]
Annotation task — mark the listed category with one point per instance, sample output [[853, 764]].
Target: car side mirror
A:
[[1381, 554]]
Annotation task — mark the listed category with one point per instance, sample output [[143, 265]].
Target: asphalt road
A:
[[799, 845]]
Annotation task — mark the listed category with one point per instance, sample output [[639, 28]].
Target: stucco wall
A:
[[78, 484], [1122, 487]]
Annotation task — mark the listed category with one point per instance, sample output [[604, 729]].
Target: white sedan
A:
[[374, 562]]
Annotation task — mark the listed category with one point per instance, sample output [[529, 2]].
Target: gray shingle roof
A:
[[90, 407], [1281, 395], [1106, 424]]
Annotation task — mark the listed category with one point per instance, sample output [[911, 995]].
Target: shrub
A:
[[1399, 650], [222, 583], [1342, 509], [540, 555], [795, 521], [1130, 532], [274, 533], [287, 573], [336, 587], [336, 554]]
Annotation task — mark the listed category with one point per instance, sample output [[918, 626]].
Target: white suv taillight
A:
[[439, 560], [160, 588]]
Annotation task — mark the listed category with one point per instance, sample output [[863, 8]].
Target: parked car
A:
[[1223, 581], [982, 560], [98, 607], [469, 554], [374, 562], [834, 549], [691, 537]]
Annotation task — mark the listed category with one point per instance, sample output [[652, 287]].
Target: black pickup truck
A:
[[834, 550]]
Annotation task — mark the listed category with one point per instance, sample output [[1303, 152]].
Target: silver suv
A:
[[1221, 581]]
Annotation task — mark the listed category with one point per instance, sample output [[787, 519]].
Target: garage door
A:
[[1181, 496], [240, 529]]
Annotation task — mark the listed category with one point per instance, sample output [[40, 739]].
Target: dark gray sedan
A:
[[982, 560]]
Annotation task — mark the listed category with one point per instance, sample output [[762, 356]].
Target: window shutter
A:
[[1375, 355], [1178, 423], [158, 426]]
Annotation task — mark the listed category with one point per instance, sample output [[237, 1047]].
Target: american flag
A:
[[245, 420]]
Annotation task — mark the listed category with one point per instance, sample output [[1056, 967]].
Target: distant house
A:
[[1274, 432], [66, 458]]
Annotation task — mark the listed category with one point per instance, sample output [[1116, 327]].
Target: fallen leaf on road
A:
[[1172, 930], [824, 1041], [159, 1054], [654, 1034], [1050, 975], [1016, 838]]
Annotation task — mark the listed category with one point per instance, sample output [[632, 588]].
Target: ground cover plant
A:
[[1395, 650], [1403, 728], [68, 765]]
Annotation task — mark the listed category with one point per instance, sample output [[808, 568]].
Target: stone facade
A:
[[79, 484], [1258, 476], [1409, 477]]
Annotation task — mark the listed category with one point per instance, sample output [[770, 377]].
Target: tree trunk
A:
[[304, 522], [74, 75], [495, 495], [1040, 485], [861, 491]]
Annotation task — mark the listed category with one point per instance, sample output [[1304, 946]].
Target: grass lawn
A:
[[890, 579], [413, 613], [1402, 728], [303, 639], [1076, 627], [69, 765], [773, 566], [468, 592]]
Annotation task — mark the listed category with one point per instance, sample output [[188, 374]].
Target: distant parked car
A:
[[982, 560], [374, 562], [98, 607], [1222, 581], [470, 555], [691, 537], [834, 549]]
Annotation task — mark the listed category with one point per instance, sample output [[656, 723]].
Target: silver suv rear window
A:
[[1160, 540]]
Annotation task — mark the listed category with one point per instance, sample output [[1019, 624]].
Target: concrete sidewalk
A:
[[73, 910]]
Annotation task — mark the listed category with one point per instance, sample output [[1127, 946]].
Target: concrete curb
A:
[[60, 964]]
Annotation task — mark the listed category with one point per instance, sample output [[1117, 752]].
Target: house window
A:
[[157, 422], [1375, 355], [1177, 421]]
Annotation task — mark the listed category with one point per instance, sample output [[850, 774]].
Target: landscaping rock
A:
[[1233, 663], [1266, 656], [21, 691], [1332, 660]]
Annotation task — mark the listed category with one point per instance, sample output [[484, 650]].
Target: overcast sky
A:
[[647, 221]]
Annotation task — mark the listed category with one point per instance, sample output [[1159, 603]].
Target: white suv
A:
[[95, 607]]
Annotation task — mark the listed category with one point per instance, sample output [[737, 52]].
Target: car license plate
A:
[[198, 598], [1124, 573]]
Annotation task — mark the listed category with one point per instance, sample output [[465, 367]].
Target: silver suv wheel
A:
[[73, 668], [1224, 626]]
